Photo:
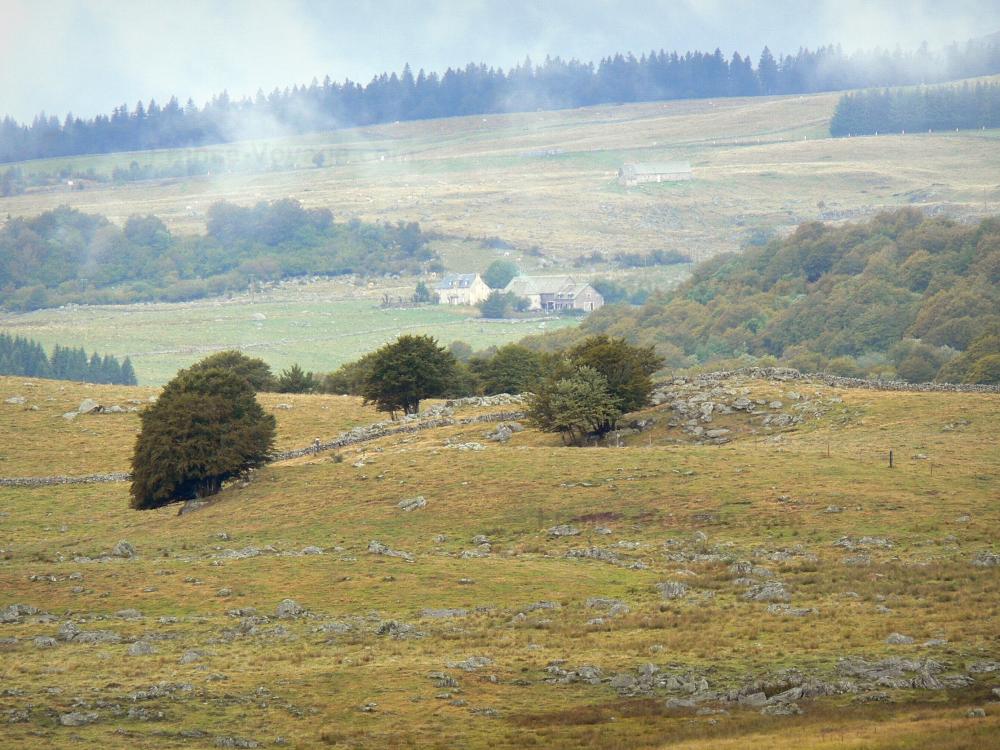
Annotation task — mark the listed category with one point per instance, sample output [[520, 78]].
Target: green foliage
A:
[[512, 369], [205, 428], [978, 364], [251, 369], [295, 380], [64, 255], [610, 291], [576, 406], [460, 350], [499, 305], [825, 293], [917, 109], [625, 368], [25, 357], [499, 274], [349, 379], [422, 294], [406, 371]]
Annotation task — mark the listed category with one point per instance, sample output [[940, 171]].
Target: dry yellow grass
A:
[[752, 494], [759, 163]]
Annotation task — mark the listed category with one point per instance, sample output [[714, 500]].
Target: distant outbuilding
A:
[[671, 171]]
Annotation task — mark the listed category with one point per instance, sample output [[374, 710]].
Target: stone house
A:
[[554, 293], [636, 174], [461, 289]]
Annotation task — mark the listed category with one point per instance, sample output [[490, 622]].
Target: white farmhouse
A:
[[461, 289]]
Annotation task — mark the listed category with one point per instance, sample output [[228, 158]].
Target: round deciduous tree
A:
[[205, 428], [409, 369]]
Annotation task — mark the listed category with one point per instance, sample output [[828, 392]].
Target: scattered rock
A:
[[986, 559], [781, 709], [472, 664], [443, 613], [377, 548], [141, 648], [770, 591], [44, 641], [467, 446], [88, 406], [563, 530], [238, 742], [413, 503], [311, 550], [77, 718], [16, 400], [898, 639], [672, 589], [289, 609], [397, 630], [124, 549]]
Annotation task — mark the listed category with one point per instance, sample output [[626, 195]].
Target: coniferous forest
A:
[[481, 89], [917, 110], [27, 358]]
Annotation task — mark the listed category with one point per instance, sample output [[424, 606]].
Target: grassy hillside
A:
[[548, 178], [321, 326], [377, 661]]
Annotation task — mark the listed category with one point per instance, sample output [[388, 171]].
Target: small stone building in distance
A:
[[461, 289], [554, 293], [636, 174]]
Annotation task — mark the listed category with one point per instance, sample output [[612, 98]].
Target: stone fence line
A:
[[387, 429], [352, 437], [837, 381]]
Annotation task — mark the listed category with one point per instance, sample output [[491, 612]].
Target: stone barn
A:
[[636, 174], [554, 293]]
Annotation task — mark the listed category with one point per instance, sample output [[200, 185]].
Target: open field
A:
[[529, 638], [320, 325], [548, 178]]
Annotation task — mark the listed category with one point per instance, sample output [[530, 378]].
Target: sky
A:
[[88, 56]]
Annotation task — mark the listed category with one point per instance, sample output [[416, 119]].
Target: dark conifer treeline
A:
[[26, 357], [917, 110], [479, 89]]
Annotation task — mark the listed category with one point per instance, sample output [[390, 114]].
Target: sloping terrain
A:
[[687, 589], [548, 178]]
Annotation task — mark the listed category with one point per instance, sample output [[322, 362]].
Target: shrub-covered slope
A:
[[898, 296]]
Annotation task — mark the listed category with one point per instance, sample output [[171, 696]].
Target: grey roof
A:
[[664, 167], [523, 286], [457, 281]]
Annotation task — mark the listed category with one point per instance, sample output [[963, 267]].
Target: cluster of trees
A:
[[258, 373], [26, 357], [901, 296], [579, 392], [64, 255], [917, 109], [477, 89], [207, 426]]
